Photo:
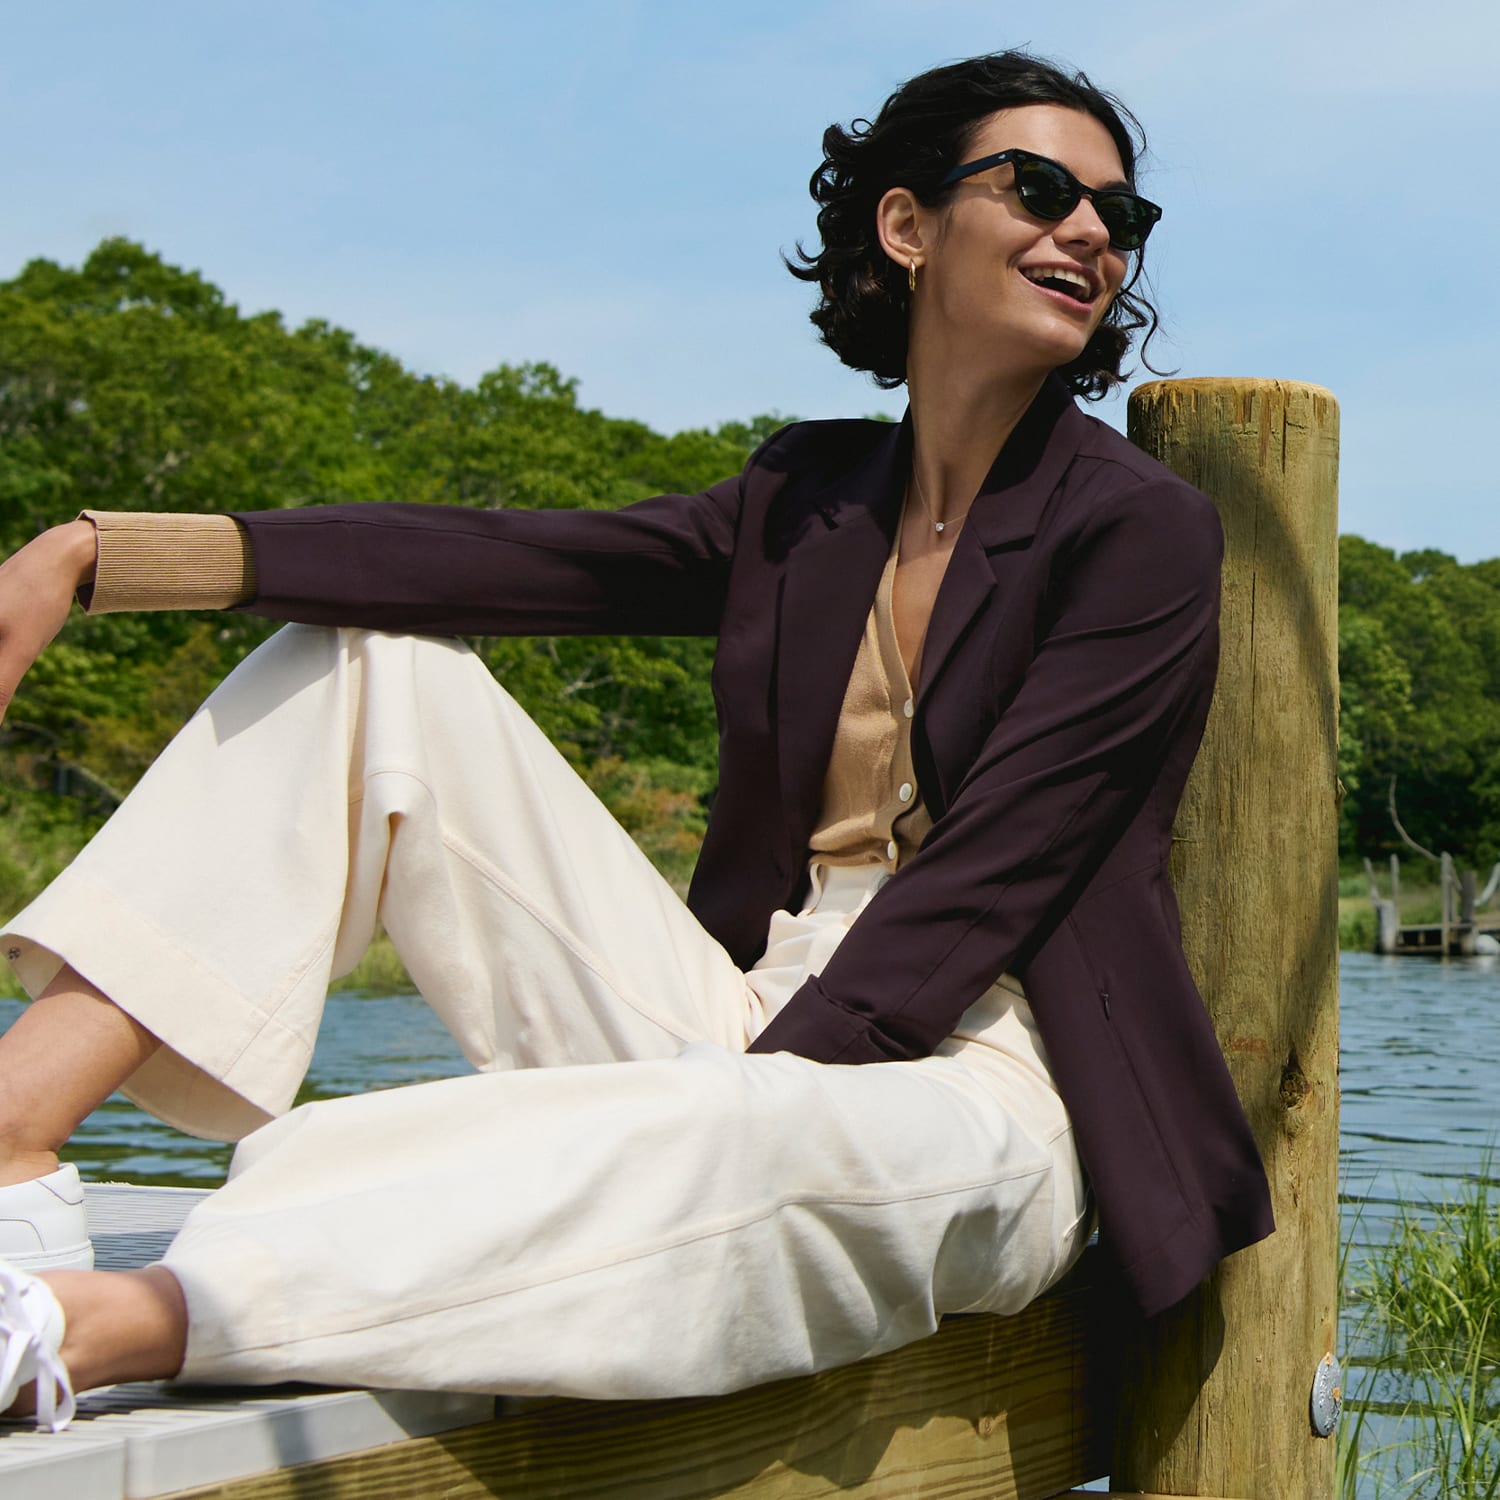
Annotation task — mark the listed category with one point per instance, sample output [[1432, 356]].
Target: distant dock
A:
[[1463, 930]]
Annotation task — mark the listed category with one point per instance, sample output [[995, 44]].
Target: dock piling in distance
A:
[[1215, 1398]]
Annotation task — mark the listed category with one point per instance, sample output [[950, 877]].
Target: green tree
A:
[[130, 384], [1419, 661]]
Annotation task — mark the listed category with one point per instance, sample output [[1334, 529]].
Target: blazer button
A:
[[905, 791]]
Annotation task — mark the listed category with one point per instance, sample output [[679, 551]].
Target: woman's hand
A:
[[37, 586]]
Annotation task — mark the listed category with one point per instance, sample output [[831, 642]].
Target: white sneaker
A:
[[31, 1333], [43, 1226]]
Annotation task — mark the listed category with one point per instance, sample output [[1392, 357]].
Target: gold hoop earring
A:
[[911, 276]]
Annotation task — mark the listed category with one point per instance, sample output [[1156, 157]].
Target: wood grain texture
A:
[[987, 1409], [1216, 1398]]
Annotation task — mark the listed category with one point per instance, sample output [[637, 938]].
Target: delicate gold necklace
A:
[[937, 525]]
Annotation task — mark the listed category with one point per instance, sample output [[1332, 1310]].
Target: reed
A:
[[1431, 1323]]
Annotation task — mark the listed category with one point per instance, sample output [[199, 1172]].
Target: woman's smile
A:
[[1075, 287]]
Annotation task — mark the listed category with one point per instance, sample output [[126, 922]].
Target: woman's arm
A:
[[653, 568], [37, 588], [657, 567], [1108, 714]]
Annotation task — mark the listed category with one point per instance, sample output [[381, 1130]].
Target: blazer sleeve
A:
[[1125, 663], [658, 567]]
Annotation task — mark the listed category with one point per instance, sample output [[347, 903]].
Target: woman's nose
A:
[[1083, 226]]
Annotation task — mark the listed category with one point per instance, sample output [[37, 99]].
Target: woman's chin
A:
[[1061, 345], [1035, 358]]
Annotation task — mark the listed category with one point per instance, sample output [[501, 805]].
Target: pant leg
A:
[[667, 1227], [338, 777], [676, 1226]]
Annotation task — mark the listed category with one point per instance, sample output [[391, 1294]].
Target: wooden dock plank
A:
[[988, 1409]]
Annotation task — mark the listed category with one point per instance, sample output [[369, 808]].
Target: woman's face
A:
[[980, 290]]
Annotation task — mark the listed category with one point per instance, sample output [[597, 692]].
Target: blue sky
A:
[[606, 185]]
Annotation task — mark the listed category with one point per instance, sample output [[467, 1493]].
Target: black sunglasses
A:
[[1049, 190]]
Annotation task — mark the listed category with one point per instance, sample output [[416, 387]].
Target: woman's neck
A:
[[958, 427]]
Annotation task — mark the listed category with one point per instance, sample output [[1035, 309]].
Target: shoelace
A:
[[22, 1339]]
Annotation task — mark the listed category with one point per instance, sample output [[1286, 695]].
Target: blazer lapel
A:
[[831, 575], [827, 590], [996, 538]]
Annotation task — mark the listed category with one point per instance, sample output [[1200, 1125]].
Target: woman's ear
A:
[[902, 226]]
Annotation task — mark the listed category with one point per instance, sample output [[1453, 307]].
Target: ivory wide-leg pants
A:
[[620, 1202]]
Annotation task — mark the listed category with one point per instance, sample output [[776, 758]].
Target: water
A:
[[1420, 1077], [1419, 1060], [366, 1042]]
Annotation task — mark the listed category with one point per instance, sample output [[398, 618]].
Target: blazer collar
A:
[[1013, 495], [1027, 469]]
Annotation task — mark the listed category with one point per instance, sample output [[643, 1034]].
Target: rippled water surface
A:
[[1419, 1062], [367, 1042]]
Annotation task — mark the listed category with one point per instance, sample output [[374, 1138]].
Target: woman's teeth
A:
[[1073, 283]]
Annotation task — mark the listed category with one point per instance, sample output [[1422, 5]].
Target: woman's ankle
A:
[[22, 1163], [121, 1325]]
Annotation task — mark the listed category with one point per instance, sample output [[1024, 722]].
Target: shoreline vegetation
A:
[[1423, 1419]]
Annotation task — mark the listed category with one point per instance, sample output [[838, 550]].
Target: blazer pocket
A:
[[1121, 995]]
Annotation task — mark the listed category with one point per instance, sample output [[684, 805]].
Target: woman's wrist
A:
[[79, 542]]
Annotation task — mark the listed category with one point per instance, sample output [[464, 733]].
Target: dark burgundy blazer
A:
[[1065, 680]]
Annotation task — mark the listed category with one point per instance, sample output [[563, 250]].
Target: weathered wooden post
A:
[[1445, 897], [1387, 921], [1216, 1393], [1468, 933]]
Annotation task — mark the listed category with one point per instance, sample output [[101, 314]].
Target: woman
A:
[[963, 665]]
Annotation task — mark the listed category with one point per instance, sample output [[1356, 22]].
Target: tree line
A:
[[1419, 667], [130, 384]]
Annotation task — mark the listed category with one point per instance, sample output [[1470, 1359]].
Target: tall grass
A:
[[1431, 1296]]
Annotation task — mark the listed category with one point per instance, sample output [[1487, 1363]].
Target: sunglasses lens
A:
[[1045, 189], [1128, 219]]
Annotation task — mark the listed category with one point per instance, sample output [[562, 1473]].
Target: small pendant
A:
[[937, 525]]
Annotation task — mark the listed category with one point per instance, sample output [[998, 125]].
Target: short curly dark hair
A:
[[922, 131]]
